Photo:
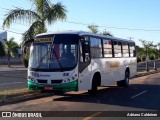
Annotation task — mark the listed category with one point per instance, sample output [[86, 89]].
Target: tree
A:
[[154, 53], [45, 12], [140, 53], [93, 28], [10, 48], [147, 45], [158, 50], [2, 52], [107, 33], [158, 45]]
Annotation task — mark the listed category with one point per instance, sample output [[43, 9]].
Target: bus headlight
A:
[[70, 79], [34, 74], [31, 79], [66, 80]]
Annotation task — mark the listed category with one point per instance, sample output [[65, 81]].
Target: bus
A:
[[78, 60]]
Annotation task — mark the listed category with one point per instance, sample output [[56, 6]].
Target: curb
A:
[[145, 74], [6, 70]]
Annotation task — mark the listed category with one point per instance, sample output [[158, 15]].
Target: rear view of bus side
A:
[[98, 60]]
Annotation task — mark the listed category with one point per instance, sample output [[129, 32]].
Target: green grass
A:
[[11, 96], [146, 72], [15, 93]]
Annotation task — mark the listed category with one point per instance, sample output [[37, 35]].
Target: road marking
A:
[[11, 83], [139, 94], [91, 116]]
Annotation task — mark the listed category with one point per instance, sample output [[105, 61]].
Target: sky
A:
[[136, 19]]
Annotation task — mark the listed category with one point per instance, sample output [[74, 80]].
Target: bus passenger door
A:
[[84, 65]]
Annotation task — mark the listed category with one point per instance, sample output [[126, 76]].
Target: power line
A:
[[5, 8], [12, 31], [137, 29], [111, 27], [16, 22]]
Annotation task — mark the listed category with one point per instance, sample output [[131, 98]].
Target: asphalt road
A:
[[11, 80], [142, 95]]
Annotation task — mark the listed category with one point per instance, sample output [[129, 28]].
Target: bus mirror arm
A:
[[25, 44]]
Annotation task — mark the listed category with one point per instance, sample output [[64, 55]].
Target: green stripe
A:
[[71, 86]]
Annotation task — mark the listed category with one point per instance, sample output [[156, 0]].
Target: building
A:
[[3, 35]]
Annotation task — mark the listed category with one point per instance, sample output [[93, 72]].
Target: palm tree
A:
[[45, 12], [10, 48], [93, 28], [158, 45], [147, 45], [2, 52]]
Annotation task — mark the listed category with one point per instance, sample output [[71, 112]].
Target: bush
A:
[[144, 58], [25, 62], [138, 60], [152, 57]]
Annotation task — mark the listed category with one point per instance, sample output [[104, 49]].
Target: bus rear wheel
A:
[[125, 82]]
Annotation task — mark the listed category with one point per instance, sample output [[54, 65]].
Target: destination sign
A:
[[43, 40]]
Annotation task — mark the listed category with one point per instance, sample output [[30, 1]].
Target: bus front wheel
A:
[[93, 90], [125, 82]]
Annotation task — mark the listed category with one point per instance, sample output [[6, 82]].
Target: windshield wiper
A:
[[41, 59]]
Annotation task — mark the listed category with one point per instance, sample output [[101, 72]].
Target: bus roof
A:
[[81, 33]]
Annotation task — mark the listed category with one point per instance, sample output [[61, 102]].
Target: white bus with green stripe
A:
[[77, 60]]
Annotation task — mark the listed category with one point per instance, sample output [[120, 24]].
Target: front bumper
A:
[[71, 86]]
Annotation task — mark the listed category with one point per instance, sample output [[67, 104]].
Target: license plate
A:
[[48, 88]]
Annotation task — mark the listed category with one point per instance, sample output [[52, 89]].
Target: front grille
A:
[[42, 81], [56, 81]]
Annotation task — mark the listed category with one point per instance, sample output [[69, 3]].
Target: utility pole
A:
[[155, 50], [130, 38]]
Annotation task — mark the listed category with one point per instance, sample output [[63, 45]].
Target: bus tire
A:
[[125, 82], [93, 90]]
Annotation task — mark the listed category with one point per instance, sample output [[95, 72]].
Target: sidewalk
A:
[[4, 68]]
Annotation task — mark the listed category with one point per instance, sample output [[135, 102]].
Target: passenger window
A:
[[96, 47], [132, 49], [117, 49], [125, 50], [107, 45]]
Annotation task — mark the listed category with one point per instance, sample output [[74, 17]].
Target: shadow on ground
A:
[[113, 95]]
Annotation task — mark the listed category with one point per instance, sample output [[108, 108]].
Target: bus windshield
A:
[[59, 54]]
